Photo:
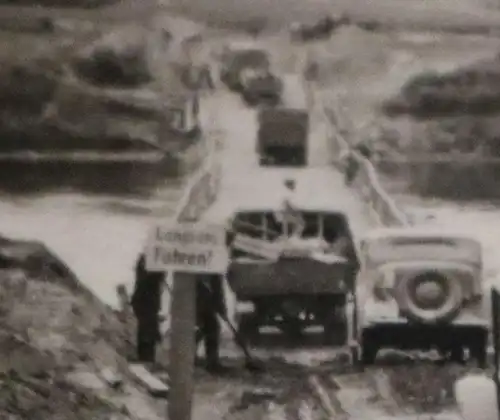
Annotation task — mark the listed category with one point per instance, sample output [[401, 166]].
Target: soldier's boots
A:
[[216, 368]]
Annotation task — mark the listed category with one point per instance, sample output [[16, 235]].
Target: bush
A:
[[28, 87], [473, 90], [467, 135], [106, 68]]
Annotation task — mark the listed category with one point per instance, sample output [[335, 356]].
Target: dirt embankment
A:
[[60, 346]]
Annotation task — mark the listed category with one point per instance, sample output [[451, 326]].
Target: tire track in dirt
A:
[[377, 392]]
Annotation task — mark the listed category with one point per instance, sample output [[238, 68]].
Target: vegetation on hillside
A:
[[472, 90], [33, 83], [454, 113], [107, 67]]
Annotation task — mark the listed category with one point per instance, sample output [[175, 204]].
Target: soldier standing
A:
[[290, 216], [146, 303], [210, 303]]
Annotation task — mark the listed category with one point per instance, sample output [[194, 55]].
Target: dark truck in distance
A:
[[282, 136], [261, 87], [236, 58], [283, 131], [292, 283]]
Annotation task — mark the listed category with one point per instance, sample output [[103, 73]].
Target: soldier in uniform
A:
[[146, 303], [290, 214], [210, 303]]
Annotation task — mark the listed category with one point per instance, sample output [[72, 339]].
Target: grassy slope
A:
[[44, 55]]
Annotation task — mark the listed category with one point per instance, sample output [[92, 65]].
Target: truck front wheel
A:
[[369, 350]]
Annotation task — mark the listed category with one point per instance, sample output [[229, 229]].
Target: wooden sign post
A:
[[182, 346], [189, 250]]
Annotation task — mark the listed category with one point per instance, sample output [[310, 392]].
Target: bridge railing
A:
[[202, 188], [382, 206]]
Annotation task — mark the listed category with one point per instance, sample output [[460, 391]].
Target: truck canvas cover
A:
[[283, 127], [263, 262]]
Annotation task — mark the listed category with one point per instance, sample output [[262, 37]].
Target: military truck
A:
[[261, 86], [239, 56], [282, 137], [292, 282], [283, 131], [421, 289]]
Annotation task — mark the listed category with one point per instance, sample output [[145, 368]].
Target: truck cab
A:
[[237, 57]]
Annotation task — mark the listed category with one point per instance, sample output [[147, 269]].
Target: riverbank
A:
[[61, 347]]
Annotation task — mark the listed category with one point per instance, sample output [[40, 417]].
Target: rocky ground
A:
[[57, 342]]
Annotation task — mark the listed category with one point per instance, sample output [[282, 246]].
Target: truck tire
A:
[[478, 348], [335, 328], [369, 350]]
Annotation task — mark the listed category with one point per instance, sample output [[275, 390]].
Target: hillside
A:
[[408, 92], [57, 340]]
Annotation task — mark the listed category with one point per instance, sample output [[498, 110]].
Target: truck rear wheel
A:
[[248, 326], [335, 328], [478, 348], [369, 349]]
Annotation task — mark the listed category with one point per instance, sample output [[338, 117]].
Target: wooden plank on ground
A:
[[154, 386], [111, 378]]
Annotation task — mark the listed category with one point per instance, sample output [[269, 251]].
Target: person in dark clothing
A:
[[351, 168], [146, 303], [210, 303]]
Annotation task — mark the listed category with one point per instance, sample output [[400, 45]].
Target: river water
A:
[[95, 217]]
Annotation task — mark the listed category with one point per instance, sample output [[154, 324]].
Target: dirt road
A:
[[310, 382]]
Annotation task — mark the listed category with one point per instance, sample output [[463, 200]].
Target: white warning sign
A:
[[193, 248]]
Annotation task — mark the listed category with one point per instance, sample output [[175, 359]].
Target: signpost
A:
[[188, 249]]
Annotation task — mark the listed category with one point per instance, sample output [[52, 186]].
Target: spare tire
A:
[[429, 297]]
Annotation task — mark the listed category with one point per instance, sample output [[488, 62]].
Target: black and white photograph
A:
[[249, 210]]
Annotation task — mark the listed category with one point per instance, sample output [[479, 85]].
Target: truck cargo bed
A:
[[253, 278]]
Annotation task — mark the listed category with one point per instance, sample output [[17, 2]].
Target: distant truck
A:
[[261, 86], [292, 283], [237, 57], [283, 131]]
